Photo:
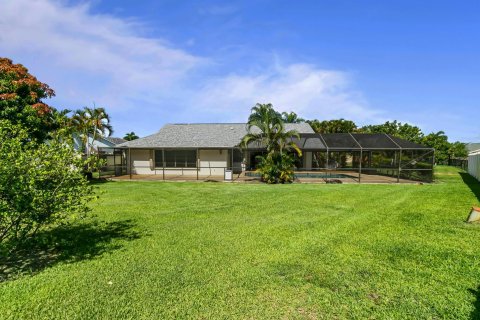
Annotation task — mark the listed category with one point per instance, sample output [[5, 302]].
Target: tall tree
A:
[[266, 128], [21, 102], [438, 141], [333, 126], [457, 150], [130, 136]]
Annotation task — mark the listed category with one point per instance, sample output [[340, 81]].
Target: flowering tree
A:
[[21, 102]]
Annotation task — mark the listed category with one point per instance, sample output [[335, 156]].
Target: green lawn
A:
[[165, 250]]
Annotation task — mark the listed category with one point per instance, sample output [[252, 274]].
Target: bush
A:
[[276, 168], [41, 185]]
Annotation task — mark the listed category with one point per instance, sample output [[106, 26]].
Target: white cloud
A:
[[108, 49], [303, 88], [145, 82]]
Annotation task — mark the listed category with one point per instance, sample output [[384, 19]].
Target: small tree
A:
[[41, 184]]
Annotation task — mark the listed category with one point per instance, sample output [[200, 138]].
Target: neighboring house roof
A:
[[100, 142], [114, 140], [202, 135], [473, 147]]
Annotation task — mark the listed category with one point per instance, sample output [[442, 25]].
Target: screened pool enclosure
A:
[[340, 157]]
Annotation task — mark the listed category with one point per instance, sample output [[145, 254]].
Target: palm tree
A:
[[266, 128], [99, 122], [80, 127], [291, 117], [91, 122], [130, 136]]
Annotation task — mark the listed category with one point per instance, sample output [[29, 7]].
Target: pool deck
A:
[[352, 177]]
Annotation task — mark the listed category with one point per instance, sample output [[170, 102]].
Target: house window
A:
[[176, 158], [158, 159]]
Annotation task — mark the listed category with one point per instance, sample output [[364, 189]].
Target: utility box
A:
[[228, 175], [474, 215]]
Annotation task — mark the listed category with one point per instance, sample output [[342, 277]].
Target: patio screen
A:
[[176, 159]]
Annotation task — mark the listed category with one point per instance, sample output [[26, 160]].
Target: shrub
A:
[[276, 168], [41, 185]]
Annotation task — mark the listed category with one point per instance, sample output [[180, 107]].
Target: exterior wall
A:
[[211, 162], [141, 161], [213, 158], [474, 164]]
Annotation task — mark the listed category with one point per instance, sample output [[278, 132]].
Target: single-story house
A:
[[184, 148], [211, 149]]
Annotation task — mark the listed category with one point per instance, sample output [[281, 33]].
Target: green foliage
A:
[[333, 126], [91, 122], [291, 117], [276, 168], [21, 102], [130, 136], [444, 150], [439, 141], [41, 184], [398, 129], [266, 129], [458, 150]]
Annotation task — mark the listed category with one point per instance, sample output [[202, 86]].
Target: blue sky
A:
[[156, 62]]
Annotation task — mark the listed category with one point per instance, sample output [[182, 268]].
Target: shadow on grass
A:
[[472, 183], [476, 311], [99, 181], [66, 244]]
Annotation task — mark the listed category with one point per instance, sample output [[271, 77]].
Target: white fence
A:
[[474, 164]]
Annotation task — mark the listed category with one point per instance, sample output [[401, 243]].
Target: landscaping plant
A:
[[41, 185], [266, 128]]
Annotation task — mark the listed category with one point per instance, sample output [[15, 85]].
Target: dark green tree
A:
[[291, 117], [457, 150], [130, 136], [438, 141], [333, 126], [398, 129]]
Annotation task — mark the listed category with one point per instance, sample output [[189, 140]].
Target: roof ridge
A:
[[197, 123]]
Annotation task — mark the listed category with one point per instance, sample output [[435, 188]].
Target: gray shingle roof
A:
[[202, 135], [473, 147], [115, 140]]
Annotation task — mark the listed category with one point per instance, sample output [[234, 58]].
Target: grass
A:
[[218, 250]]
